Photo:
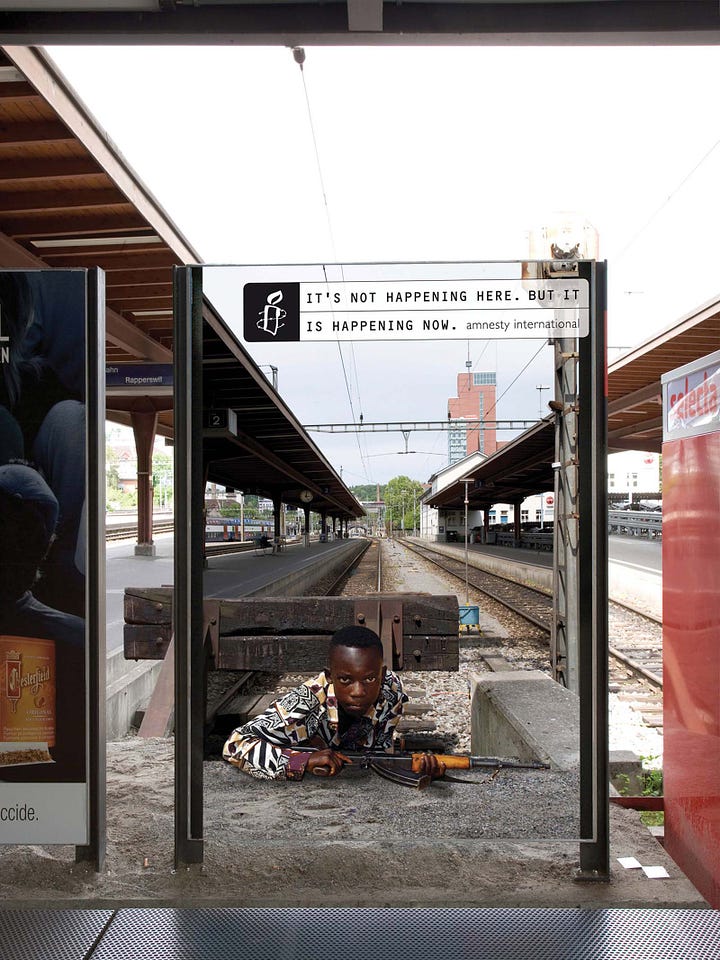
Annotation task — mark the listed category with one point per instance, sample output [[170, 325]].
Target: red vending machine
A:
[[691, 620]]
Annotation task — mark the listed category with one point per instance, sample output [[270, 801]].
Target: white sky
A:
[[427, 154]]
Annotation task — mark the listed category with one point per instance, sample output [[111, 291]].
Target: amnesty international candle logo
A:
[[416, 310], [271, 312]]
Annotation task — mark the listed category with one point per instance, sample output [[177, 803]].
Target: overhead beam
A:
[[596, 22], [365, 15], [34, 226], [14, 134], [118, 331], [646, 394], [635, 429], [40, 201], [55, 168]]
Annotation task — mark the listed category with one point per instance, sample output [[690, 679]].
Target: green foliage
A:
[[622, 781], [652, 783], [652, 818], [111, 469], [402, 503], [120, 499], [230, 509], [366, 491]]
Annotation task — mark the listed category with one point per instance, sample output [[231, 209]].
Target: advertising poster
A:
[[43, 643]]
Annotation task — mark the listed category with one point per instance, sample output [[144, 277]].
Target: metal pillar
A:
[[517, 527], [144, 424], [564, 637], [593, 587], [306, 511], [277, 513], [188, 632], [94, 851]]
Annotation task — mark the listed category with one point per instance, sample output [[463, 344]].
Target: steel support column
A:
[[593, 581], [189, 547], [564, 638]]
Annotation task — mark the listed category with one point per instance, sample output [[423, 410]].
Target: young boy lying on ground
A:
[[354, 704]]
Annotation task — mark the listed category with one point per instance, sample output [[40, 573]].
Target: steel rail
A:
[[476, 583]]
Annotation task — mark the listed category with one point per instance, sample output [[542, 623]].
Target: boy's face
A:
[[357, 675]]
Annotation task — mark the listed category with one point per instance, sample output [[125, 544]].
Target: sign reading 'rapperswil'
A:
[[415, 310]]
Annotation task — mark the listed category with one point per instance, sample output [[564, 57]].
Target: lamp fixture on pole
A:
[[540, 390], [466, 481]]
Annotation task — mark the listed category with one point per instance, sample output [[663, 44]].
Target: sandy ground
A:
[[330, 843]]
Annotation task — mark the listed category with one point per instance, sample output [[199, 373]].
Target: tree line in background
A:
[[401, 497]]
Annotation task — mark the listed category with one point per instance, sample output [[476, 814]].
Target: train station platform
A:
[[289, 572], [369, 934]]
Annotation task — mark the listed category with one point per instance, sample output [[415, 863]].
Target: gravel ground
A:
[[408, 572]]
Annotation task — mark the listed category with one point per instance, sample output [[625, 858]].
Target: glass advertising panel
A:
[[43, 541], [255, 318]]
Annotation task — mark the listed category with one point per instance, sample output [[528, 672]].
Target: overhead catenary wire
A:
[[638, 233], [299, 57], [517, 377]]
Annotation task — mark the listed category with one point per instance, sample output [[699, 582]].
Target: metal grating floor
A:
[[50, 934], [355, 934]]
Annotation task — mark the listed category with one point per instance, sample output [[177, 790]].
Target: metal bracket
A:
[[211, 625], [385, 617]]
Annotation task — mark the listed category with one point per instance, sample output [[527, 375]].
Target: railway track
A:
[[635, 667], [129, 531], [531, 604]]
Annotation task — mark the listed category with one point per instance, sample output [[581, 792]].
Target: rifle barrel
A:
[[452, 761]]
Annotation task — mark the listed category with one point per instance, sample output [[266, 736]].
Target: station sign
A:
[[454, 309], [691, 399], [142, 375]]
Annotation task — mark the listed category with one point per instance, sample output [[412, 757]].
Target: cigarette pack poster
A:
[[42, 536]]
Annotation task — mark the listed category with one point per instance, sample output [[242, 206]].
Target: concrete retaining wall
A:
[[527, 573], [525, 714], [129, 683], [303, 581]]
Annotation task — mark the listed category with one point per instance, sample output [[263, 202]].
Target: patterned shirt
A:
[[269, 747]]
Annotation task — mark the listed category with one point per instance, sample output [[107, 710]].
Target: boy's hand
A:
[[430, 765], [326, 763]]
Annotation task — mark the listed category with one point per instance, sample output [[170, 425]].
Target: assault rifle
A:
[[405, 767]]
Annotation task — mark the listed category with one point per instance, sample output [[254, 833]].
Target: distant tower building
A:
[[475, 400]]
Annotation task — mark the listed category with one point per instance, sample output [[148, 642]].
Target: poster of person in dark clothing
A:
[[42, 532]]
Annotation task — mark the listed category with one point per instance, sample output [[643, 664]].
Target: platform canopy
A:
[[259, 446], [634, 392], [516, 471], [69, 199], [335, 22]]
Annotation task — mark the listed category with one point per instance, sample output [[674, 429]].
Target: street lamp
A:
[[273, 370], [540, 390], [466, 481]]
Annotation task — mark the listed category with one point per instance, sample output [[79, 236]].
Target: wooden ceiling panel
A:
[[51, 172]]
